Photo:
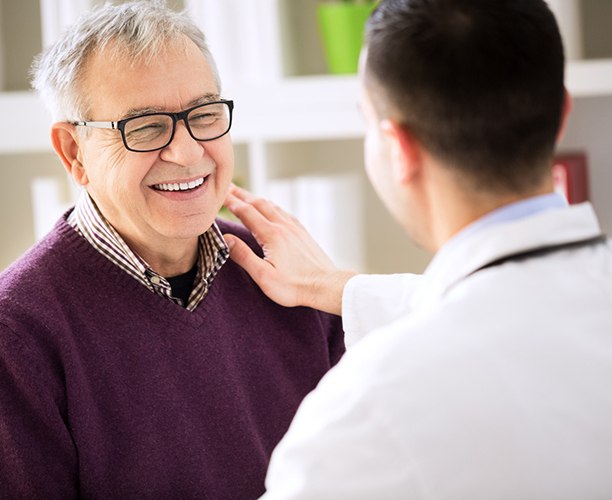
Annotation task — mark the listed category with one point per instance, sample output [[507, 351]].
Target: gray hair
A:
[[143, 30]]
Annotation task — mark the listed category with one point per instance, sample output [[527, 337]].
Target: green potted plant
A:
[[341, 24]]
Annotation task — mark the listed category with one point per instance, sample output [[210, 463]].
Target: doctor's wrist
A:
[[324, 292]]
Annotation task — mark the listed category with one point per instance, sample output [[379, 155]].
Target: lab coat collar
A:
[[460, 257]]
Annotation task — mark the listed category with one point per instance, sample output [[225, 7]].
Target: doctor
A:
[[490, 375]]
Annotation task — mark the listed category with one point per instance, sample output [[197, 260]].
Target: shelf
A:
[[325, 107], [25, 124], [293, 109], [304, 108], [589, 78]]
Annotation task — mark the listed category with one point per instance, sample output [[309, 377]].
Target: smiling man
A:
[[136, 360]]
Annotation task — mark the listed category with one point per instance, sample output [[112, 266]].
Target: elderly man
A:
[[489, 376], [136, 361]]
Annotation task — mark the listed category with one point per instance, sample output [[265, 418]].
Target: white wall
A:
[[590, 129], [2, 70], [16, 219], [21, 34]]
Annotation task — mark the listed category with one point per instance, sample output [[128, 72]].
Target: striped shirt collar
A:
[[91, 224]]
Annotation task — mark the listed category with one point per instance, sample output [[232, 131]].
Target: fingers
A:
[[246, 212], [266, 207], [261, 272], [239, 192], [292, 259], [242, 255]]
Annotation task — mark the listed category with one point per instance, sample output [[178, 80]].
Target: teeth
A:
[[179, 186]]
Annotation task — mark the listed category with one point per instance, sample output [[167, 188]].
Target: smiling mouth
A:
[[180, 186]]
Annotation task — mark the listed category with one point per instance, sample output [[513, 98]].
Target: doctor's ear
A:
[[404, 150], [568, 105], [66, 144]]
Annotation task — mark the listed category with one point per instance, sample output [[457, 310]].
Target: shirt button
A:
[[155, 280]]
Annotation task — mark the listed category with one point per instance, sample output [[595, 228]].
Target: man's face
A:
[[128, 187], [377, 155]]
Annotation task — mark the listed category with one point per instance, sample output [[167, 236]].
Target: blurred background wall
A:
[[297, 131]]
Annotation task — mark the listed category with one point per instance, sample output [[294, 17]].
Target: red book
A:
[[570, 176]]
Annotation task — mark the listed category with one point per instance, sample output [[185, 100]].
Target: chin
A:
[[183, 230], [200, 226]]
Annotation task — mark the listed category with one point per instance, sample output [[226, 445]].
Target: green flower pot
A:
[[342, 25]]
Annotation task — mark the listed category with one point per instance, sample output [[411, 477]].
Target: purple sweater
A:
[[110, 391]]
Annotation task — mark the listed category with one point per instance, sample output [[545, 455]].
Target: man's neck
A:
[[455, 209], [170, 260]]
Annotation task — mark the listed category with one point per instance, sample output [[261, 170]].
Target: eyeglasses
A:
[[153, 131]]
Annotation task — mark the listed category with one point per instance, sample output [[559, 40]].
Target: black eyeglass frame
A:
[[181, 115]]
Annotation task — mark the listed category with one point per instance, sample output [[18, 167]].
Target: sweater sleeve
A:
[[332, 326], [37, 455]]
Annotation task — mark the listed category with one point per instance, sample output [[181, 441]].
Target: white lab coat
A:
[[495, 385]]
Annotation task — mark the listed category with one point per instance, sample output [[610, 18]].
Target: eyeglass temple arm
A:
[[112, 125]]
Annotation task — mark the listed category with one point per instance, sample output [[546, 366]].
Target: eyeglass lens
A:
[[205, 122]]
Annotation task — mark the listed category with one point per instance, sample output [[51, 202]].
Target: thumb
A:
[[260, 271], [242, 255]]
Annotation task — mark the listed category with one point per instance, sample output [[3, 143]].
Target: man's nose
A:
[[183, 149]]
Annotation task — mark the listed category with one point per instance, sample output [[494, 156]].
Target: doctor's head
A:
[[477, 84]]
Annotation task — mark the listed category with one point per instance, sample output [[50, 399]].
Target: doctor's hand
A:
[[294, 271]]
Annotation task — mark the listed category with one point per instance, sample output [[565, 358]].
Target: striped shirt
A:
[[212, 253]]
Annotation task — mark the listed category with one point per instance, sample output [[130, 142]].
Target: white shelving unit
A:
[[589, 78], [291, 120]]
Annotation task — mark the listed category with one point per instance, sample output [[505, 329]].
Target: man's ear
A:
[[65, 142], [405, 151], [568, 105]]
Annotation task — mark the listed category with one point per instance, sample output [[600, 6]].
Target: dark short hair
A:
[[478, 82]]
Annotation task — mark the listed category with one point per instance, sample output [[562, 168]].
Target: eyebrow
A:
[[210, 97]]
